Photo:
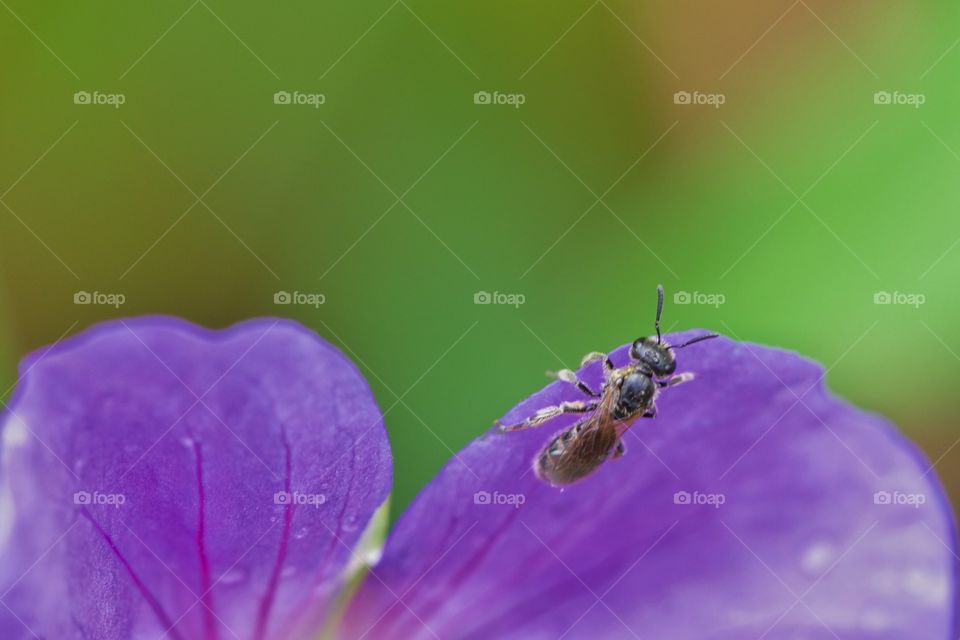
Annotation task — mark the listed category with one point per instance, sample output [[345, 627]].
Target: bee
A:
[[628, 393]]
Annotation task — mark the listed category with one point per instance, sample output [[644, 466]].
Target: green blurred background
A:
[[797, 200]]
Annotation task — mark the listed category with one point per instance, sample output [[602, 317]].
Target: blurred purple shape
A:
[[163, 480]]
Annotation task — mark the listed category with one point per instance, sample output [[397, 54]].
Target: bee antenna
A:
[[706, 336], [659, 311]]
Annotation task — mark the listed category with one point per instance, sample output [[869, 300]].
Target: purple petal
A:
[[747, 509], [163, 480]]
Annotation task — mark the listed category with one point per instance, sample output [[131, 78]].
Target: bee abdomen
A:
[[573, 454]]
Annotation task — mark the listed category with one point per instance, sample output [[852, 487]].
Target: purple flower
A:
[[164, 481]]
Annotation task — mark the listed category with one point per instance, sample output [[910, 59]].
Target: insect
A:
[[627, 393]]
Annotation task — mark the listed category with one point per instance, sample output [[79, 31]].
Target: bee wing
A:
[[588, 424], [622, 426], [576, 451]]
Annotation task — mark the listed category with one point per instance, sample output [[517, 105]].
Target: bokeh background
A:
[[782, 212]]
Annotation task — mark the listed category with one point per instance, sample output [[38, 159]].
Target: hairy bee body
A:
[[628, 393], [576, 452]]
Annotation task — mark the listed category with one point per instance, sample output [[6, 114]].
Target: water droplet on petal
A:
[[817, 557]]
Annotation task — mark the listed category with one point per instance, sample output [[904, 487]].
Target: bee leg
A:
[[619, 449], [569, 376], [675, 380], [593, 356], [650, 413], [548, 413]]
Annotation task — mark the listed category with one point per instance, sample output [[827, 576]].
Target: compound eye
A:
[[654, 355], [638, 347], [666, 367]]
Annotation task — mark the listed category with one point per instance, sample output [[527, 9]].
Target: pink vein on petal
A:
[[302, 608], [266, 602], [151, 600], [210, 624]]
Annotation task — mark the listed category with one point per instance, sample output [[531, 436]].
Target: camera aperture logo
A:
[[115, 300], [698, 297], [696, 498], [299, 297], [510, 299], [99, 98], [299, 98], [898, 297], [514, 100], [299, 499], [496, 498], [915, 100], [699, 98], [899, 498], [99, 499]]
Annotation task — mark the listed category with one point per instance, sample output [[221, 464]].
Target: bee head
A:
[[655, 355]]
